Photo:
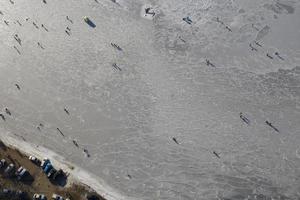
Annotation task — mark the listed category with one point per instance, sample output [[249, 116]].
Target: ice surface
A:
[[126, 118]]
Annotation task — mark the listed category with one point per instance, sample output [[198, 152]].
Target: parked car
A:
[[9, 169], [21, 172], [60, 173], [21, 195], [48, 168], [34, 160], [57, 197], [39, 197], [7, 191], [2, 163], [44, 162], [51, 173]]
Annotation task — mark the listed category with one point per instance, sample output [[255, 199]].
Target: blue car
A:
[[48, 168]]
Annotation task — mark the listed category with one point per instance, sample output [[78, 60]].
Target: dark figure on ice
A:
[[44, 1], [17, 50], [66, 111], [86, 152], [19, 23], [229, 29], [116, 66], [187, 20], [216, 154], [149, 12], [268, 55], [7, 111], [182, 39], [245, 119], [43, 26], [116, 46], [252, 48], [6, 22], [75, 143], [68, 28], [40, 45], [129, 176], [208, 63], [271, 125], [18, 39], [60, 132], [36, 26], [277, 54], [67, 32], [2, 116], [254, 27], [175, 140], [18, 87], [257, 44], [67, 17]]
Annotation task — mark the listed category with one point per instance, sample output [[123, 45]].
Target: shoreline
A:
[[76, 174]]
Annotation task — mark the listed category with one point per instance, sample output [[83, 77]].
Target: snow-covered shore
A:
[[76, 174]]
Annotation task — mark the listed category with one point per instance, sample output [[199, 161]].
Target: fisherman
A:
[[216, 154], [252, 48], [17, 50], [257, 43], [175, 140], [255, 27], [6, 22], [40, 45], [60, 132], [86, 152], [18, 87], [245, 119], [68, 28], [268, 55], [187, 20], [67, 17], [116, 66], [7, 111], [19, 23], [208, 63], [17, 39], [147, 11], [229, 29], [36, 26], [182, 39], [271, 125], [44, 1], [66, 111], [75, 143], [277, 54], [2, 116], [67, 32], [116, 46]]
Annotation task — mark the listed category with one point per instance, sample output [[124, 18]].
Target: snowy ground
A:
[[126, 118]]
